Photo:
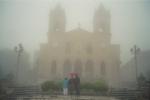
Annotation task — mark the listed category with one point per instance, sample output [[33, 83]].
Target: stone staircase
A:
[[124, 94], [26, 91]]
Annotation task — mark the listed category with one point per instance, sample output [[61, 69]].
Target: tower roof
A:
[[101, 10], [59, 7], [101, 7]]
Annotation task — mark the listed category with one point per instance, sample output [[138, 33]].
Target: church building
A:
[[90, 54]]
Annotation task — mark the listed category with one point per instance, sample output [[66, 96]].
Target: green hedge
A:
[[50, 85], [100, 86], [96, 86]]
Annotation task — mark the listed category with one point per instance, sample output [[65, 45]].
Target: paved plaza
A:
[[67, 98]]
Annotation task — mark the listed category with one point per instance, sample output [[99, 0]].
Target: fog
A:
[[26, 21]]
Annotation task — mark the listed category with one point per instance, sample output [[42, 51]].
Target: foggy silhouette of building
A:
[[90, 54], [8, 65], [128, 70]]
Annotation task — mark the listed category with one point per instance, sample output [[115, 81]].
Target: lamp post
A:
[[18, 49], [135, 50]]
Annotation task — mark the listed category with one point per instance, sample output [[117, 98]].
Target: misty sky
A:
[[26, 21]]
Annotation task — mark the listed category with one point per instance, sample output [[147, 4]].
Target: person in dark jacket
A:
[[71, 84], [77, 84]]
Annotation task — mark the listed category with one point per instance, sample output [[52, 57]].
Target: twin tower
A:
[[101, 20]]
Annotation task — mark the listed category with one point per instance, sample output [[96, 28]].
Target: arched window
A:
[[78, 67], [103, 68], [89, 69], [67, 67], [53, 67]]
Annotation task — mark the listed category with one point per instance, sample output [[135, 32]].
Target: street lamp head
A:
[[135, 49], [131, 50], [20, 47]]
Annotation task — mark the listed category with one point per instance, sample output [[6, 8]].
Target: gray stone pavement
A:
[[67, 98]]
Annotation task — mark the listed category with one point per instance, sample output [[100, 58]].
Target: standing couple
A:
[[72, 84]]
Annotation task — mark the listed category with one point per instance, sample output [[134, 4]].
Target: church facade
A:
[[90, 54]]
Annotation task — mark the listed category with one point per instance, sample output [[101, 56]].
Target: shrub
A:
[[86, 86], [59, 85], [47, 86], [51, 86], [97, 86], [100, 85]]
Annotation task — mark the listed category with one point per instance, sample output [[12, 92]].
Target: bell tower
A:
[[57, 20], [101, 23], [101, 20]]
